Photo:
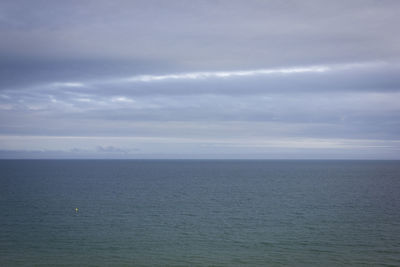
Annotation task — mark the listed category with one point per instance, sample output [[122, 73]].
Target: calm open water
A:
[[199, 213]]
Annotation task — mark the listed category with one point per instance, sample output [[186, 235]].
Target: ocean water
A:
[[199, 213]]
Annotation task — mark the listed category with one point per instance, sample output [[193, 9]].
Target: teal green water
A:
[[199, 213]]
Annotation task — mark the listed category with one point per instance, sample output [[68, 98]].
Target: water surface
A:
[[199, 213]]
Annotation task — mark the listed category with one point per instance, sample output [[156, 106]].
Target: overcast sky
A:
[[200, 79]]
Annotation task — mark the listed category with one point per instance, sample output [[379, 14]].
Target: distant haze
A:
[[200, 79]]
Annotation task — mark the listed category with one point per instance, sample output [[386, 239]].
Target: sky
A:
[[200, 79]]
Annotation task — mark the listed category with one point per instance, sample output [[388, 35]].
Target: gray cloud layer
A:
[[293, 79]]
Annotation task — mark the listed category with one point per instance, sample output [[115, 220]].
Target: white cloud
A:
[[68, 84], [87, 100], [225, 74], [122, 99]]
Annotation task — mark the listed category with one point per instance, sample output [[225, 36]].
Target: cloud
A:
[[290, 148], [223, 74], [203, 33], [68, 84], [115, 150], [190, 76]]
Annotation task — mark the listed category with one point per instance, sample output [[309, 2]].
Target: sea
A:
[[199, 213]]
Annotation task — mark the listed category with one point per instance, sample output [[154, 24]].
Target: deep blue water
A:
[[199, 213]]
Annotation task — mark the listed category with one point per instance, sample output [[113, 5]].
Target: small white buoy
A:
[[76, 209]]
